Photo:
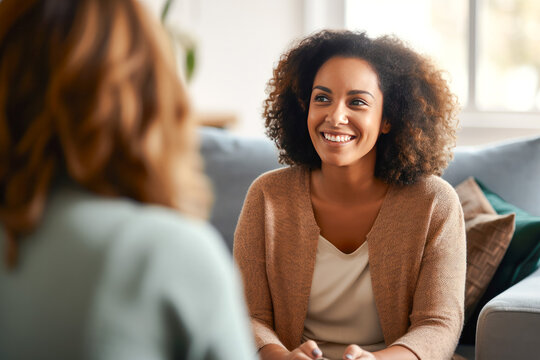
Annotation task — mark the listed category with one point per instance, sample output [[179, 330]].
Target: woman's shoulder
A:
[[430, 201], [157, 226], [287, 178], [161, 245], [429, 192], [433, 187], [121, 223]]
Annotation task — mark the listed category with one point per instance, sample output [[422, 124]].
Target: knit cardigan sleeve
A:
[[250, 253], [436, 317]]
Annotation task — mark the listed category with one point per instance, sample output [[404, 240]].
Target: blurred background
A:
[[488, 49]]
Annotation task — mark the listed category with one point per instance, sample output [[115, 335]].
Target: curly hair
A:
[[418, 104], [88, 88]]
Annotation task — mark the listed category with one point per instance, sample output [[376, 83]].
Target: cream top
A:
[[341, 308]]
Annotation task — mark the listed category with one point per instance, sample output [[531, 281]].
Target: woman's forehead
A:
[[347, 73]]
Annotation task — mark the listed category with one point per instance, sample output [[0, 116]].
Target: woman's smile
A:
[[337, 138]]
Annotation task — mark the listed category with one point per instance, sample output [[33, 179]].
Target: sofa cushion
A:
[[232, 162], [520, 260], [488, 237], [511, 169]]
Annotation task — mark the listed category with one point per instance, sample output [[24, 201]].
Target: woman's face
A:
[[345, 111]]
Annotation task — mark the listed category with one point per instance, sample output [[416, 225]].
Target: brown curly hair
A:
[[89, 88], [418, 104]]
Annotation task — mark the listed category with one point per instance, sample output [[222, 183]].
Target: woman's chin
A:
[[336, 163]]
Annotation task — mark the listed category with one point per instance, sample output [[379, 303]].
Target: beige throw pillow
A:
[[488, 237]]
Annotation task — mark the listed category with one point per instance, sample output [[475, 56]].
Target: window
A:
[[489, 48], [508, 60]]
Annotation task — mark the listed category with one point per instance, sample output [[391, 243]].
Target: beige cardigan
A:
[[417, 259]]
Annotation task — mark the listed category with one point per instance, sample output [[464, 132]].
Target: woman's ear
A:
[[385, 126]]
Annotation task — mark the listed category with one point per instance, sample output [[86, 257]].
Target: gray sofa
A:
[[508, 326]]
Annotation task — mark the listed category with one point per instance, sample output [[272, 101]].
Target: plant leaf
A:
[[190, 63], [165, 10]]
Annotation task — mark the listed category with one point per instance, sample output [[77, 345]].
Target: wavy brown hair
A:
[[417, 103], [88, 88]]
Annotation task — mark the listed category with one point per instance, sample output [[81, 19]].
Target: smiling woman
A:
[[418, 104], [368, 261]]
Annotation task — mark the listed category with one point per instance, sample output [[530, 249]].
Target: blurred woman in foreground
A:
[[100, 191]]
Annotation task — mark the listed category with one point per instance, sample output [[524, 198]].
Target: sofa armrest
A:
[[509, 325]]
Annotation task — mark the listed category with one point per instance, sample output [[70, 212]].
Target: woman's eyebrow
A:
[[323, 88], [354, 92]]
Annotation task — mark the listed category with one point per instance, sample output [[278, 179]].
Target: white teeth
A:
[[337, 138]]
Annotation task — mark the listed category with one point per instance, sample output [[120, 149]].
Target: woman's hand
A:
[[354, 352], [307, 351]]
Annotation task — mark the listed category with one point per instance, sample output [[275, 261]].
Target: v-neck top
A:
[[417, 261], [341, 308]]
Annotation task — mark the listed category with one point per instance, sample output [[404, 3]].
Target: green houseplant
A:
[[182, 41]]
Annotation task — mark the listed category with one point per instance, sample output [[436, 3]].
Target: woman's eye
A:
[[321, 98], [358, 102]]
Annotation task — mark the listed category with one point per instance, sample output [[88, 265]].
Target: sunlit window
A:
[[509, 55], [489, 48]]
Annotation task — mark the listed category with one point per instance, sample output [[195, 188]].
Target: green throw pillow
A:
[[521, 259], [523, 254]]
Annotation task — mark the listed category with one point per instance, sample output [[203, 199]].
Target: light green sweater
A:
[[114, 279]]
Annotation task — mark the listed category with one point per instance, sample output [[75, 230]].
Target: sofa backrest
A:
[[232, 162], [511, 169]]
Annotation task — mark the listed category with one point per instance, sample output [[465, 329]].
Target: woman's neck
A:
[[346, 184]]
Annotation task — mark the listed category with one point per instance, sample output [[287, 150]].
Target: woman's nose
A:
[[337, 116]]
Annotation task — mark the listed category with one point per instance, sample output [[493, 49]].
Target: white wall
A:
[[238, 44]]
